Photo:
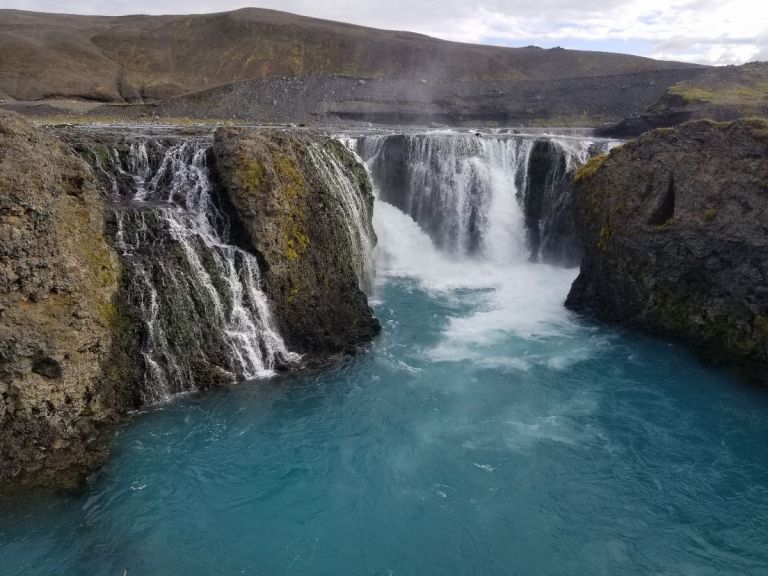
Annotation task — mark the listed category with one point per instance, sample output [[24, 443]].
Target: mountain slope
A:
[[134, 58]]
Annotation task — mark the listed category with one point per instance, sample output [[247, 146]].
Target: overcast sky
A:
[[706, 31]]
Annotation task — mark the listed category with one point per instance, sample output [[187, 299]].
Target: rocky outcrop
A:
[[675, 238], [64, 370], [304, 205]]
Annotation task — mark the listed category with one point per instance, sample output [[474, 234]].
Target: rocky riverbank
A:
[[673, 226]]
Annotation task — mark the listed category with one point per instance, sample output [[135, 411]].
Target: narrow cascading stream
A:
[[356, 212], [503, 198], [205, 318]]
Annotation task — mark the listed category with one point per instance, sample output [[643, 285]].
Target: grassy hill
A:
[[145, 58]]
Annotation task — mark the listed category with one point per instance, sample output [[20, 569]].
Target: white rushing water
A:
[[450, 214], [355, 212], [498, 198], [176, 240]]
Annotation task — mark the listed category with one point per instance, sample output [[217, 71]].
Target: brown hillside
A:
[[133, 58]]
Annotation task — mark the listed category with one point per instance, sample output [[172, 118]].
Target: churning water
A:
[[487, 432]]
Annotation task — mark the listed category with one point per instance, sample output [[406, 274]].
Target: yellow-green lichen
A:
[[605, 235], [289, 175], [293, 294], [296, 242], [590, 168], [709, 214], [250, 176]]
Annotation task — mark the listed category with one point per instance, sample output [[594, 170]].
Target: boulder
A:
[[303, 204], [675, 237]]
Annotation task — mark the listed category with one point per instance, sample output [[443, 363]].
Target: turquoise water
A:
[[486, 432]]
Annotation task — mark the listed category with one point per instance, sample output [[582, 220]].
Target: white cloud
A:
[[707, 31]]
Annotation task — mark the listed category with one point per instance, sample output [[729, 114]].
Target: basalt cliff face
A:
[[136, 267], [675, 238]]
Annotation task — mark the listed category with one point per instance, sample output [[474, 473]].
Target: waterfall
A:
[[502, 198], [356, 211], [205, 318]]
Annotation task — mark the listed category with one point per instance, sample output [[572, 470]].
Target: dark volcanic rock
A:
[[548, 207], [294, 218], [676, 241], [62, 357]]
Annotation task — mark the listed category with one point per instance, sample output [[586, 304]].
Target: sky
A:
[[702, 31]]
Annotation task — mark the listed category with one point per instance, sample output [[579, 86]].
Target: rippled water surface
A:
[[486, 432], [559, 448]]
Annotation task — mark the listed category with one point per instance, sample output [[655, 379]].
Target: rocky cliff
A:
[[62, 364], [675, 239], [304, 205]]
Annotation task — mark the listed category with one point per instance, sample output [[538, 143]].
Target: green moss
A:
[[250, 176], [709, 214], [590, 168], [101, 155], [734, 94], [689, 94], [289, 175]]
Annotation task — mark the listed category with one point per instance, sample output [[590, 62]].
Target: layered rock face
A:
[[304, 206], [62, 363], [675, 239]]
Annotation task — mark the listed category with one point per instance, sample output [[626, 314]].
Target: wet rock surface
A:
[[675, 239], [296, 221]]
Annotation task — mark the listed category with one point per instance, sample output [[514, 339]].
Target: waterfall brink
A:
[[204, 315], [502, 198]]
